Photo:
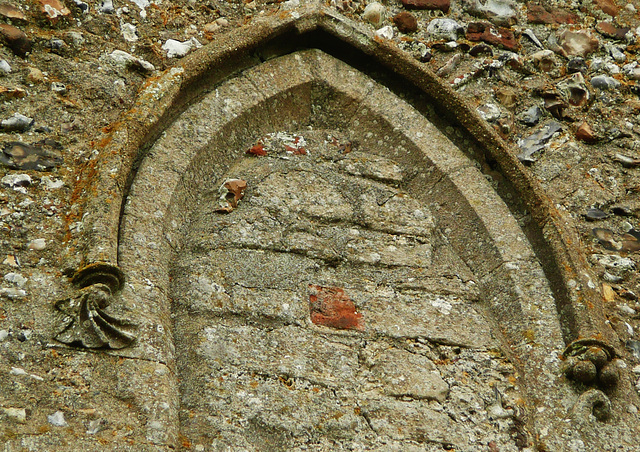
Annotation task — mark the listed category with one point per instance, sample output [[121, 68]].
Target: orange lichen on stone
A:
[[332, 307]]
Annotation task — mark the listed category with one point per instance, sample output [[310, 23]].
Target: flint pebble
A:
[[385, 32], [107, 7], [632, 70], [4, 68], [577, 65], [375, 13], [12, 293], [500, 12], [51, 184], [634, 347], [129, 32], [16, 123], [604, 82], [447, 29], [37, 244], [124, 59], [625, 309], [594, 214], [18, 415], [16, 180], [615, 264], [489, 112], [617, 53], [177, 49], [24, 156], [537, 141], [531, 116], [84, 7], [57, 44], [16, 278], [57, 419], [59, 88]]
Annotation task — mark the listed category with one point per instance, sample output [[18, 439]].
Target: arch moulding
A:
[[150, 191]]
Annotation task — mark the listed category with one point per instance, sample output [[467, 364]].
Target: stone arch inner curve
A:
[[475, 260]]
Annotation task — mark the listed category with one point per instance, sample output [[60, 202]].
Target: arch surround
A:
[[515, 303]]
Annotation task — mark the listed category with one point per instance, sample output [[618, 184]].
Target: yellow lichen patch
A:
[[529, 335]]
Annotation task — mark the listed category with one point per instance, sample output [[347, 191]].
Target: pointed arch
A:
[[132, 220]]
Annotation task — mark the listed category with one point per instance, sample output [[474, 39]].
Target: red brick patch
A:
[[537, 14], [257, 149], [332, 307], [611, 31], [501, 37], [608, 7], [442, 5]]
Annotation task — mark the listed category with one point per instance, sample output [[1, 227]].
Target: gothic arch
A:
[[194, 123]]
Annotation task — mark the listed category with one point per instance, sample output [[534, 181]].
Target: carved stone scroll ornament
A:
[[591, 362], [86, 322]]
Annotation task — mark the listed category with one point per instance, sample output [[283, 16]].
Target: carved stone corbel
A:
[[86, 322]]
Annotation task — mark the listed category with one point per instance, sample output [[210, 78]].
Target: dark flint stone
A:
[[607, 238], [634, 347], [426, 57], [537, 141], [531, 116], [596, 214], [577, 65], [24, 156], [621, 211], [481, 49]]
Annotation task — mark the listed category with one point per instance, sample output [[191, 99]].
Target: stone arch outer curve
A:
[[164, 98]]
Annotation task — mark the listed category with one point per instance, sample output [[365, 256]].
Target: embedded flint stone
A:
[[87, 324]]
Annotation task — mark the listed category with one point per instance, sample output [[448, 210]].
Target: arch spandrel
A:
[[192, 324]]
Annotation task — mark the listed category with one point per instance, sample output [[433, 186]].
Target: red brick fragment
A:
[[258, 150], [54, 9], [11, 12], [15, 39], [406, 22], [611, 31], [585, 133], [442, 5], [497, 36], [537, 14], [332, 307], [608, 7]]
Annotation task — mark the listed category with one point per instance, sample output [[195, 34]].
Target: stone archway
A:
[[471, 260], [366, 232]]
